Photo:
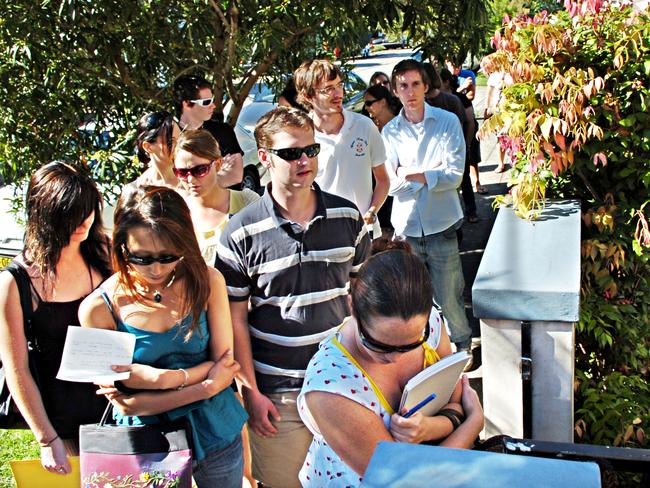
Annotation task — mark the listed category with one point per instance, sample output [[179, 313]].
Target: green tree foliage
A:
[[576, 124], [66, 62], [448, 30]]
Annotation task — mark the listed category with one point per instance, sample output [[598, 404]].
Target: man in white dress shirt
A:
[[425, 162]]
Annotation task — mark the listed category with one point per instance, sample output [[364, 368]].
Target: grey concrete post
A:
[[530, 271]]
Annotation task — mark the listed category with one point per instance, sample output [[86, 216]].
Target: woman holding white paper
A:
[[65, 258], [177, 306], [354, 383]]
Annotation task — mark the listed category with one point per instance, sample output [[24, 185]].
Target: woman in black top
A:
[[66, 257]]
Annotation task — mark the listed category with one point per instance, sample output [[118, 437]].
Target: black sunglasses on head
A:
[[148, 260], [155, 120], [294, 153], [376, 346]]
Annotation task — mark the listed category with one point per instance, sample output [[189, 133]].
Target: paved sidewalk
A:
[[475, 236]]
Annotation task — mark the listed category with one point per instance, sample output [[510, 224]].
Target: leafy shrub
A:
[[575, 124]]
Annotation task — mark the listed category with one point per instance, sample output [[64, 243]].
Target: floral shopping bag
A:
[[119, 456]]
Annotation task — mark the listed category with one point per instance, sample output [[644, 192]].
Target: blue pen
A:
[[419, 405]]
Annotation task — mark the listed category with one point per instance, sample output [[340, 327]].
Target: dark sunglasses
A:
[[294, 153], [148, 260], [156, 119], [368, 103], [198, 171], [376, 346]]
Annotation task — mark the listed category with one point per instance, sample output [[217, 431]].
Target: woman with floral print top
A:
[[354, 382]]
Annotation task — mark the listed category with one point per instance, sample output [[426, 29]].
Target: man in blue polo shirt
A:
[[425, 161], [287, 260]]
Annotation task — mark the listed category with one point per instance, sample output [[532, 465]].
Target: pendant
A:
[[157, 297]]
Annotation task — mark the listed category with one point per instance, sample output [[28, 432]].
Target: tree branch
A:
[[589, 186], [258, 70], [219, 13]]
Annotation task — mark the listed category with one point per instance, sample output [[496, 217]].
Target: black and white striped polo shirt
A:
[[296, 279]]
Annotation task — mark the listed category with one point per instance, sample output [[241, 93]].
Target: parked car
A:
[[260, 100]]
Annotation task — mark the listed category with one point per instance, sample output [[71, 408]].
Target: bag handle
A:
[[162, 418], [107, 412]]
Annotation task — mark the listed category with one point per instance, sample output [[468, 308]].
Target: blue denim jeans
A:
[[223, 468], [440, 254]]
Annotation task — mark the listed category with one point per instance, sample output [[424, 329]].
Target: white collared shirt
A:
[[435, 147], [346, 160]]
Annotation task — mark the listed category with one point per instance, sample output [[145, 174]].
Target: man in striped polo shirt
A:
[[287, 261]]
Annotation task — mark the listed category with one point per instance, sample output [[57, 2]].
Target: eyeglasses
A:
[[376, 346], [329, 90], [198, 171], [204, 102], [294, 153], [148, 260], [368, 103]]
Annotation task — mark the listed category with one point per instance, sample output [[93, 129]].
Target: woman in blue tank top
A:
[[177, 307]]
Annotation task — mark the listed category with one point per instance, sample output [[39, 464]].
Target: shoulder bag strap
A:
[[25, 291]]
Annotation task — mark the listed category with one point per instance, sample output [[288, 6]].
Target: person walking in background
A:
[[449, 83], [451, 103], [380, 78], [352, 151], [466, 79], [197, 160], [194, 105], [495, 83], [287, 260], [177, 307], [66, 256], [426, 159]]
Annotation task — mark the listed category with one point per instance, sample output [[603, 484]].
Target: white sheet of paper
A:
[[89, 353]]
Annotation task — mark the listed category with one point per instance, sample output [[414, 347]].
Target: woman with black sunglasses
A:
[[156, 135], [354, 382], [177, 307], [382, 106]]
